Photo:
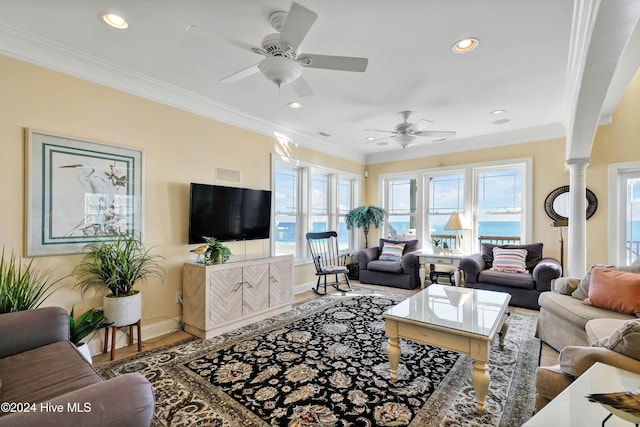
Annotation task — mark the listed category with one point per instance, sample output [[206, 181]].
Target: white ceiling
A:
[[520, 65]]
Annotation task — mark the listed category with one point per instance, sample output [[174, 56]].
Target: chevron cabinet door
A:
[[280, 282], [255, 292], [224, 294]]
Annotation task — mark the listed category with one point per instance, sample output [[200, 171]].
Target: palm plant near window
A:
[[365, 217]]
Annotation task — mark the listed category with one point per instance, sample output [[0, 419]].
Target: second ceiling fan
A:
[[282, 63], [405, 133]]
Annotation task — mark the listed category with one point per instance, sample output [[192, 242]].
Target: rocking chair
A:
[[327, 260]]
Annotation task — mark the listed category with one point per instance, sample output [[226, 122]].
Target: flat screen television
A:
[[228, 213]]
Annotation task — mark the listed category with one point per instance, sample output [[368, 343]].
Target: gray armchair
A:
[[404, 273], [38, 364], [524, 288]]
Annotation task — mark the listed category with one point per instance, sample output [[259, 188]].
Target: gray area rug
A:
[[324, 363]]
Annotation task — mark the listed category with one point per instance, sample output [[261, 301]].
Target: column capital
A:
[[578, 165]]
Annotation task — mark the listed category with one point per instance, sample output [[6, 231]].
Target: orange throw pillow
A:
[[614, 290]]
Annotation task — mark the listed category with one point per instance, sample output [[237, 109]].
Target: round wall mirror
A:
[[556, 205]]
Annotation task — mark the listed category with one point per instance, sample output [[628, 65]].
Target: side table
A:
[[425, 258], [114, 329]]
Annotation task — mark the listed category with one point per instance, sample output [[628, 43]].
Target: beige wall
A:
[[618, 142], [179, 148]]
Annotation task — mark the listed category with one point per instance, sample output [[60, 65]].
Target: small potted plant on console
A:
[[216, 252]]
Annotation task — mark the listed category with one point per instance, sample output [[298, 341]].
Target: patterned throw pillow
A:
[[509, 260], [391, 252]]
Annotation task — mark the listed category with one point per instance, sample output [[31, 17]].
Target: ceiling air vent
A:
[[228, 175]]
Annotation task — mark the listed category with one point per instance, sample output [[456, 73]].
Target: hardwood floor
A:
[[548, 356]]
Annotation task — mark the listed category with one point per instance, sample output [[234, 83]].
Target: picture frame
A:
[[79, 192]]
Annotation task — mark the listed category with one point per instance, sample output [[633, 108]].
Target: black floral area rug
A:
[[325, 363]]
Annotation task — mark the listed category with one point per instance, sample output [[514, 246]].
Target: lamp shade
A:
[[457, 221]]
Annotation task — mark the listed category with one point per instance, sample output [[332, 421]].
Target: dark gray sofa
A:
[[40, 366], [524, 288], [403, 274]]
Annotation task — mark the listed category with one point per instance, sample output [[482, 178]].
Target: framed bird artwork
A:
[[80, 192]]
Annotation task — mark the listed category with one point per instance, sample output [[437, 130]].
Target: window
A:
[[319, 203], [401, 196], [624, 213], [499, 207], [310, 198], [287, 210], [345, 204], [445, 197], [492, 197]]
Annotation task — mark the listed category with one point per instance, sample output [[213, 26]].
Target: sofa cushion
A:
[[534, 253], [409, 245], [509, 260], [572, 310], [512, 280], [614, 290], [391, 251], [582, 291], [44, 373], [385, 266], [624, 340]]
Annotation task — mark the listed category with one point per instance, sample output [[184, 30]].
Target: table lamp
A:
[[457, 222]]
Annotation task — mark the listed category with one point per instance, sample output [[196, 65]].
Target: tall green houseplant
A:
[[118, 266], [23, 287], [365, 217]]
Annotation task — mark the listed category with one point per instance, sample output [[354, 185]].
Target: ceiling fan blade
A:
[[301, 87], [212, 35], [380, 130], [242, 74], [329, 62], [436, 133], [297, 25]]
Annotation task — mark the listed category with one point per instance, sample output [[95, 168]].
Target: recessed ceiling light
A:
[[382, 143], [115, 21], [371, 138], [465, 45], [294, 105], [497, 112]]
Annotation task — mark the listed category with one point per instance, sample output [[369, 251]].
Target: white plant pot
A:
[[124, 310], [83, 349]]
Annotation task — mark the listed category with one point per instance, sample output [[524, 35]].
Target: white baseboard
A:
[[153, 330], [304, 287]]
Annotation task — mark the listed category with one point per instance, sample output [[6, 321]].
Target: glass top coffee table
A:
[[458, 319]]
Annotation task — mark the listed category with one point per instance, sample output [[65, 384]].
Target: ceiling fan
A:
[[405, 133], [282, 63]]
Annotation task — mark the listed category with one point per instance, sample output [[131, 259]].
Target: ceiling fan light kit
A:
[[280, 70]]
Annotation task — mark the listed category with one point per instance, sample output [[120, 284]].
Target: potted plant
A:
[[23, 287], [118, 266], [87, 323], [365, 217], [216, 252]]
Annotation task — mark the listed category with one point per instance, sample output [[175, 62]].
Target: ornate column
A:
[[577, 250]]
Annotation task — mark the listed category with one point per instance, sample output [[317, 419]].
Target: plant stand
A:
[[114, 329]]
